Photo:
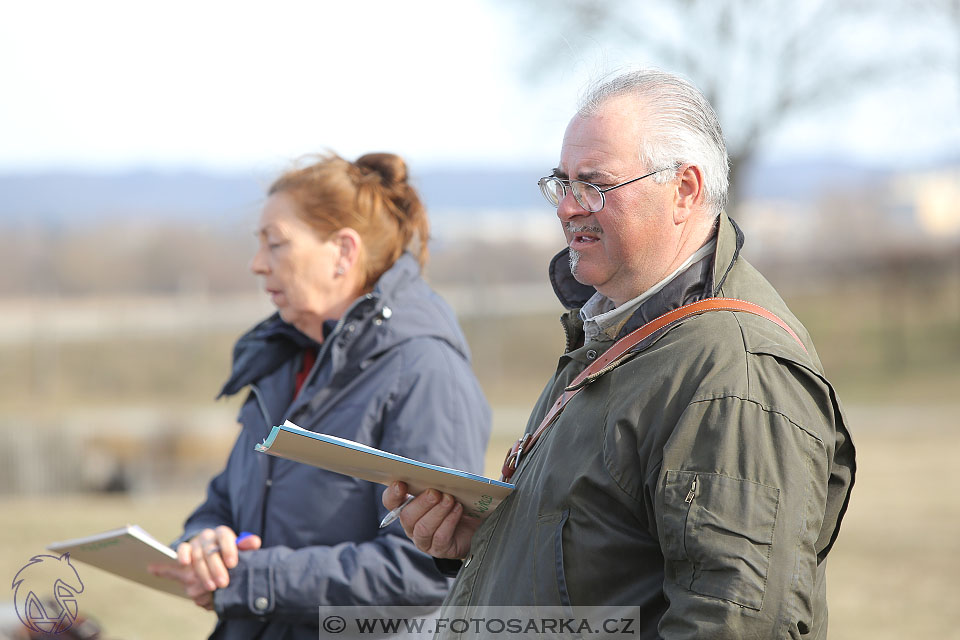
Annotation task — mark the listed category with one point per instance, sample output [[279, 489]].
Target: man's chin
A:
[[574, 258], [581, 271]]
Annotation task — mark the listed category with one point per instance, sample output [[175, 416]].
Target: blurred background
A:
[[136, 141]]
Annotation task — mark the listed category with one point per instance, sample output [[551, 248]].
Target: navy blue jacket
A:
[[394, 374]]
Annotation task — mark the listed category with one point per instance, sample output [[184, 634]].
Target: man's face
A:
[[624, 248]]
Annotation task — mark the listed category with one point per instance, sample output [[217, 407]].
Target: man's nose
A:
[[568, 208]]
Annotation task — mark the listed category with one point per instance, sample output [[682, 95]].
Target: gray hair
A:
[[680, 127]]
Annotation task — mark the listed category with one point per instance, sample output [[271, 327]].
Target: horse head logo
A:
[[47, 582]]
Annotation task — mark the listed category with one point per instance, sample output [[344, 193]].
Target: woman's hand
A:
[[204, 562], [434, 521]]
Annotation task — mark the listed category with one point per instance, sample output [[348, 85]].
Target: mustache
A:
[[581, 228]]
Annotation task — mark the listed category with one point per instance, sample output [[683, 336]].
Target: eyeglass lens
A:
[[587, 195], [552, 190]]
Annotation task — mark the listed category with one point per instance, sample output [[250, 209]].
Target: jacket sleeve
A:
[[434, 413], [739, 507], [290, 584]]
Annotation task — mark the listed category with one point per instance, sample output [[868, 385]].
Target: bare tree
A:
[[760, 62]]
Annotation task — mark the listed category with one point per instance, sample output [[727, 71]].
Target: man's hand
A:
[[204, 562], [434, 521]]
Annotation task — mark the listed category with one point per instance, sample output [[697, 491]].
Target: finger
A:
[[394, 495], [193, 585], [200, 596], [227, 542], [198, 554], [215, 566], [426, 527], [417, 509], [444, 538], [184, 554]]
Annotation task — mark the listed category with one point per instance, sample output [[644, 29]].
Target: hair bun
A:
[[391, 167]]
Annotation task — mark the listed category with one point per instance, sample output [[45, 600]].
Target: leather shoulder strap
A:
[[620, 349]]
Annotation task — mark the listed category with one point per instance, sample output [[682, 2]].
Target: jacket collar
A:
[[572, 294], [729, 243], [261, 350], [702, 279]]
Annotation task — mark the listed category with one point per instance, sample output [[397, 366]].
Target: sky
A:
[[225, 86]]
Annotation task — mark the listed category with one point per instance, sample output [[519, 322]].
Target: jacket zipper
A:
[[568, 337], [268, 483]]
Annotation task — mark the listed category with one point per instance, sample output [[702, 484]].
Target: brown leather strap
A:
[[619, 349]]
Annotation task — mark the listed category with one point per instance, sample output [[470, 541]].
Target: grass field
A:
[[892, 574]]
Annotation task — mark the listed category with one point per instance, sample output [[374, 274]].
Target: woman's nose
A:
[[258, 264]]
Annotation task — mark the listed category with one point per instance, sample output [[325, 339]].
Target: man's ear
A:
[[690, 194]]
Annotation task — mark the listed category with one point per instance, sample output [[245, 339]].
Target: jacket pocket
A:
[[549, 581], [718, 534]]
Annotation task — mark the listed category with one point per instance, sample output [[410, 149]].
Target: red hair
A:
[[371, 196]]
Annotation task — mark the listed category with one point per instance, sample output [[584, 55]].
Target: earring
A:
[[339, 269]]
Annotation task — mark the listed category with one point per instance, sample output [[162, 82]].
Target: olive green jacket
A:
[[700, 483]]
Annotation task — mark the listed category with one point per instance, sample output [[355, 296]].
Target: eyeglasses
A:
[[588, 195]]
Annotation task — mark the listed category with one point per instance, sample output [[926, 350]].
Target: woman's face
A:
[[302, 273]]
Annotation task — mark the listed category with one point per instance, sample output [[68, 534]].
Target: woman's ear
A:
[[350, 244], [689, 196]]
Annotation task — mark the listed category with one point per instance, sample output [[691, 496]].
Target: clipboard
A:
[[124, 552], [478, 495]]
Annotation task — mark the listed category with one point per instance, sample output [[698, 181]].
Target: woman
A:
[[360, 348]]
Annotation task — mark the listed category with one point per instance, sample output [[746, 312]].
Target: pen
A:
[[395, 513]]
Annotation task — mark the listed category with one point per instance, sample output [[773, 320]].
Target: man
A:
[[700, 480]]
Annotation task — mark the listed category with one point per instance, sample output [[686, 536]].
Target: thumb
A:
[[250, 542], [394, 495]]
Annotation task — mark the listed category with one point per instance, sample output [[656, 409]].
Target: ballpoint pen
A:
[[395, 513]]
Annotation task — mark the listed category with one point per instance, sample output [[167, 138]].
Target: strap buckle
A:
[[512, 461]]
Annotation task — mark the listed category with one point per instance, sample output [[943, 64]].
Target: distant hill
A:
[[75, 199], [803, 181], [173, 232], [71, 199]]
